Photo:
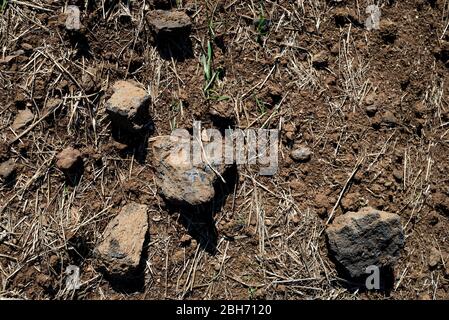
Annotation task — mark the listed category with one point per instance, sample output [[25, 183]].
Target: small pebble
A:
[[7, 169], [68, 158], [371, 110], [302, 154]]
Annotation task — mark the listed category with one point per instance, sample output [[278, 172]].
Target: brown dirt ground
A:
[[315, 71]]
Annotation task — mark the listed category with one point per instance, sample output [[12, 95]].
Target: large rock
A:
[[364, 238], [121, 247], [179, 180], [168, 22], [128, 106]]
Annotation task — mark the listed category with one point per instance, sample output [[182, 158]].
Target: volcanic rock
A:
[[128, 106], [364, 238], [179, 180], [168, 22], [121, 247]]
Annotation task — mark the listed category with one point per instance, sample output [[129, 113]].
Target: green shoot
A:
[[207, 63], [262, 25], [261, 106], [221, 98], [251, 293], [209, 74], [211, 29], [3, 4]]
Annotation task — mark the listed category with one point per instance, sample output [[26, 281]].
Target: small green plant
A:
[[210, 74], [206, 60], [211, 28], [262, 25], [3, 4], [176, 107], [219, 98], [261, 106], [173, 124], [251, 293]]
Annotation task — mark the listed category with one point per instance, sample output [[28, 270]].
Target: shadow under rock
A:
[[136, 142], [177, 46], [359, 284], [199, 220], [81, 43]]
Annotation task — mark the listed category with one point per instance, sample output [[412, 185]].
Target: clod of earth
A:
[[371, 110], [352, 201], [89, 80], [370, 99], [289, 131], [364, 238], [420, 109], [7, 169], [12, 57], [302, 154], [320, 60], [128, 106], [222, 114], [388, 31], [179, 180], [322, 200], [122, 243], [322, 203], [441, 202], [398, 175], [221, 110], [168, 22], [68, 159], [389, 118], [23, 118], [26, 47], [434, 258]]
